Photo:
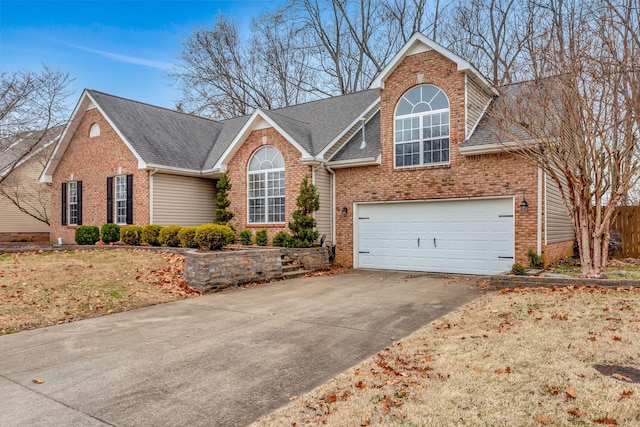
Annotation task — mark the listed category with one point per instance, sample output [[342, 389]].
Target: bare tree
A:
[[33, 109], [578, 118]]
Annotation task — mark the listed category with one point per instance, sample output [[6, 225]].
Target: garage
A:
[[470, 236]]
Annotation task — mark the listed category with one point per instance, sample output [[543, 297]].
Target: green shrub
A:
[[518, 269], [213, 237], [223, 215], [262, 239], [151, 234], [187, 235], [131, 235], [110, 233], [283, 239], [535, 260], [245, 237], [87, 235], [303, 224], [169, 236]]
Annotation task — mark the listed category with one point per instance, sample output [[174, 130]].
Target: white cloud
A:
[[162, 65]]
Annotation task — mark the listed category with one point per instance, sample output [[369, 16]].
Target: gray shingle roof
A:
[[351, 150], [21, 147], [169, 138], [159, 135], [489, 131]]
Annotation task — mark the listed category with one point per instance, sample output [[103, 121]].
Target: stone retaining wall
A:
[[207, 271], [506, 281]]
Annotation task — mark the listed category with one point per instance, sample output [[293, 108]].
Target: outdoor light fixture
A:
[[524, 206], [345, 211]]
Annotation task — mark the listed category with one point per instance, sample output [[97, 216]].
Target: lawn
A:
[[615, 269], [524, 358], [43, 289]]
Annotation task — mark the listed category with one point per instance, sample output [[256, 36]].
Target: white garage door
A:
[[466, 236]]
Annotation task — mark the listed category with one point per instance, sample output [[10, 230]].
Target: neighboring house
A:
[[408, 174], [21, 163]]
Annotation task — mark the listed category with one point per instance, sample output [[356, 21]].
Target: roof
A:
[[161, 136], [491, 132], [352, 151], [22, 147]]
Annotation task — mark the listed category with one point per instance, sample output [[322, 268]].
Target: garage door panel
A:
[[471, 236]]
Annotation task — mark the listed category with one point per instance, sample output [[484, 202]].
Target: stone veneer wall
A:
[[208, 271]]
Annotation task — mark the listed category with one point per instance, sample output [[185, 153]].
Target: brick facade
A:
[[294, 173], [92, 160], [474, 176]]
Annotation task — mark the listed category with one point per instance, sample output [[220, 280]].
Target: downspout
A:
[[153, 172], [539, 234], [333, 207]]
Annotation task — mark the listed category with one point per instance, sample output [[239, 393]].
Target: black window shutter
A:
[[110, 199], [79, 194], [129, 199], [64, 203]]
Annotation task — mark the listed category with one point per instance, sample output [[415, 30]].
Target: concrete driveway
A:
[[218, 360]]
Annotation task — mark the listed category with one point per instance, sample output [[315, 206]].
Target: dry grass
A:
[[42, 289], [506, 359]]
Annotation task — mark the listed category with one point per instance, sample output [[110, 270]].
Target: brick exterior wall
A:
[[294, 172], [475, 176], [555, 251], [92, 160]]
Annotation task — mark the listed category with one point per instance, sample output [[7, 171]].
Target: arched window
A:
[[265, 186], [94, 131], [422, 127]]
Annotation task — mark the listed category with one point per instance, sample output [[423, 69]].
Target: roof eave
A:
[[352, 163]]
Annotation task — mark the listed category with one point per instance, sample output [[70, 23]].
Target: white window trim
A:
[[264, 173], [71, 184], [116, 200], [421, 140]]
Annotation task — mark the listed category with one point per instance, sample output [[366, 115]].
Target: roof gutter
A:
[[209, 173], [473, 150], [367, 161]]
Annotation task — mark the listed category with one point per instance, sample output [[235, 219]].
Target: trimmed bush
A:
[[262, 239], [151, 234], [169, 236], [87, 235], [110, 233], [518, 269], [187, 235], [245, 237], [303, 224], [131, 235], [282, 239], [214, 237]]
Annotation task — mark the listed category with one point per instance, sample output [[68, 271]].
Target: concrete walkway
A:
[[218, 360]]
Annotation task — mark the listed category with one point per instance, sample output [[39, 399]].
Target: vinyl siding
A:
[[477, 101], [322, 181], [182, 200], [558, 224], [11, 219]]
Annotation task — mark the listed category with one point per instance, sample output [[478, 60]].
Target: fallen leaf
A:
[[365, 422], [625, 394], [386, 404], [606, 420], [332, 398], [616, 338], [507, 369], [622, 377], [543, 419], [360, 384], [477, 368], [293, 397], [554, 390], [38, 381], [571, 392], [576, 412]]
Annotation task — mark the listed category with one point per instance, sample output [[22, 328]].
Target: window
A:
[[121, 199], [72, 188], [94, 131], [422, 127], [265, 186], [120, 206], [71, 203]]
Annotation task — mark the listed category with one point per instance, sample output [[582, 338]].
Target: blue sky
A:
[[125, 48]]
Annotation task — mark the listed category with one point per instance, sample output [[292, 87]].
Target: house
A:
[[408, 172], [22, 160]]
